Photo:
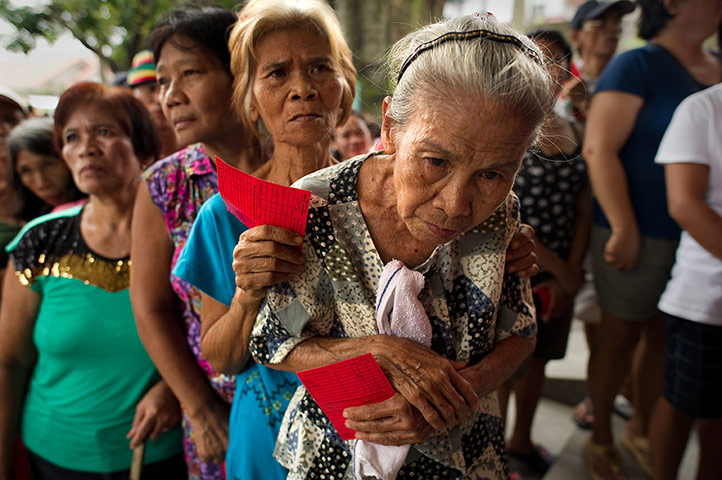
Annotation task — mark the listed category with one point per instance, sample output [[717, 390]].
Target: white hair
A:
[[507, 72]]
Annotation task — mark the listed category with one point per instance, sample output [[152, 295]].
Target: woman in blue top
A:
[[634, 240], [262, 394]]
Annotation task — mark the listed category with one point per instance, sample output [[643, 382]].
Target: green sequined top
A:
[[91, 369]]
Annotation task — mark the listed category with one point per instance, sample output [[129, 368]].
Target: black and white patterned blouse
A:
[[548, 188]]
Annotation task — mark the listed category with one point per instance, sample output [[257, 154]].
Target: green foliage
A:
[[113, 29]]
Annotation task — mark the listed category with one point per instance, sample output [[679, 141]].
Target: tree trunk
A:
[[371, 27]]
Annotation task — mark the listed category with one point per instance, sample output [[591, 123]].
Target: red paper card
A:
[[348, 383], [258, 202]]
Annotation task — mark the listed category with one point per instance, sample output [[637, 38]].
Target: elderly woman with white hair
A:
[[297, 96], [438, 200]]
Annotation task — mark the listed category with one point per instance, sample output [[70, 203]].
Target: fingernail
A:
[[297, 239]]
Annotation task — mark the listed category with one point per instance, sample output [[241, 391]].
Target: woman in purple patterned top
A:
[[191, 53]]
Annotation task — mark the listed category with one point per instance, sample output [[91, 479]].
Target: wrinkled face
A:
[[46, 176], [600, 36], [296, 91], [352, 138], [555, 62], [195, 93], [98, 152], [452, 171]]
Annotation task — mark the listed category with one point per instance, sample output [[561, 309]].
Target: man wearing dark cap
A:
[[142, 81], [595, 31]]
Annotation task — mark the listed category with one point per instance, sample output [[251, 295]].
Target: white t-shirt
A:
[[695, 136]]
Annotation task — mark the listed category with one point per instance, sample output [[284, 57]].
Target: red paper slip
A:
[[257, 202], [348, 383]]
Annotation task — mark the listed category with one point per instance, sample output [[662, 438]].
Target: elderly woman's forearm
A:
[[226, 331], [496, 367], [320, 351]]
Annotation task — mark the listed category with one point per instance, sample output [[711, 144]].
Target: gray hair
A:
[[505, 72], [261, 17]]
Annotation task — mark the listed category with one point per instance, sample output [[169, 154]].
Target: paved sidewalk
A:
[[554, 429]]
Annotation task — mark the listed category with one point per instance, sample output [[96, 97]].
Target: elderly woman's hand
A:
[[521, 255], [210, 431], [391, 422], [266, 255], [156, 413], [429, 382]]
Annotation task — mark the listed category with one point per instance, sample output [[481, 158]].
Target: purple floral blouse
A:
[[179, 185]]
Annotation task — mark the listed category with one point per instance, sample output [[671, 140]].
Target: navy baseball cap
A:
[[595, 8]]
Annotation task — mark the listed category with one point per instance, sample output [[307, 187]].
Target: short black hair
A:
[[652, 18], [553, 36], [206, 27]]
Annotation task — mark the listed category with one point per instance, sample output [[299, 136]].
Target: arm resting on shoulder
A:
[[498, 365], [687, 185], [17, 357]]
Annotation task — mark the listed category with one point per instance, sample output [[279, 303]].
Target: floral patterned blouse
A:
[[179, 185], [470, 300]]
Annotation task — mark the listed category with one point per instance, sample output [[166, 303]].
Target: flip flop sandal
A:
[[539, 459], [583, 414], [622, 407]]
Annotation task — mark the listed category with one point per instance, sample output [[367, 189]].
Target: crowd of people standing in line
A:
[[139, 317]]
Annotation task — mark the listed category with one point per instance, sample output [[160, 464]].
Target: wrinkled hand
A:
[[391, 422], [264, 256], [210, 431], [559, 300], [156, 413], [521, 256], [622, 249], [426, 380]]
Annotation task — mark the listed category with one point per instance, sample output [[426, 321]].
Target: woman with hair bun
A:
[[438, 200]]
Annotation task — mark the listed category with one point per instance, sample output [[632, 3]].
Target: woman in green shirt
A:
[[82, 389]]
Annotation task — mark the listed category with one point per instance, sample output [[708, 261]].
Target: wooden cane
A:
[[136, 463]]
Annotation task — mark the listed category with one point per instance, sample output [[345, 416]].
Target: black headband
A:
[[470, 35]]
